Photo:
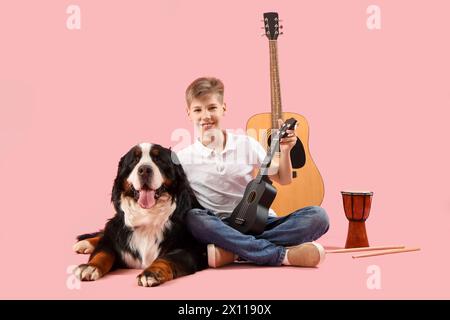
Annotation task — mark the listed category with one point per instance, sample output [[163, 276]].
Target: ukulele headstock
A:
[[289, 124], [272, 25]]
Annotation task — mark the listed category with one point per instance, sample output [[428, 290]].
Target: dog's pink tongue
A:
[[146, 198]]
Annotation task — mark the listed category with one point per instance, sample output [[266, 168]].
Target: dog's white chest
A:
[[149, 226], [146, 242]]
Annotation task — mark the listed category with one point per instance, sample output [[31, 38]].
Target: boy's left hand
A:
[[288, 142]]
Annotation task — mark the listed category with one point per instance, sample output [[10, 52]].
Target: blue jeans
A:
[[267, 248]]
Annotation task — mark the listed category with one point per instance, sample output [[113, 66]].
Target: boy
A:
[[219, 166]]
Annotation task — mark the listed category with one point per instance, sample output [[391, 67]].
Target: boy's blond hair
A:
[[203, 86]]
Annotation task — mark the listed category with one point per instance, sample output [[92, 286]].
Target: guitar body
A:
[[250, 215], [306, 188]]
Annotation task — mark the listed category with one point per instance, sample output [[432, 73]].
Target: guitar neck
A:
[[275, 92]]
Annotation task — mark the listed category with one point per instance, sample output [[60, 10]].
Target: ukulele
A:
[[306, 188], [250, 215]]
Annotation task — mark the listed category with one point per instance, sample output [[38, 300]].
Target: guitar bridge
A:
[[239, 221]]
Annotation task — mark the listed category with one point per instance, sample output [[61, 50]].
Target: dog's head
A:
[[146, 173]]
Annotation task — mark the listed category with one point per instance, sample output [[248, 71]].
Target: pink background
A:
[[72, 102]]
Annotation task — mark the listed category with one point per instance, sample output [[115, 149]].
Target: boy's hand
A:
[[288, 142]]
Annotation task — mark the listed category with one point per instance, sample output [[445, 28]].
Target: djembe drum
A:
[[357, 207]]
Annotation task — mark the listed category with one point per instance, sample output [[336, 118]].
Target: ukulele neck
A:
[[263, 173]]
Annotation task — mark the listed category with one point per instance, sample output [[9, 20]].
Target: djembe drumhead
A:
[[357, 204]]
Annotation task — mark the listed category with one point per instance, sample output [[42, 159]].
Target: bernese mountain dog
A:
[[151, 196]]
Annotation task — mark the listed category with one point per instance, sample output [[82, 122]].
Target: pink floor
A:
[[43, 273], [400, 276]]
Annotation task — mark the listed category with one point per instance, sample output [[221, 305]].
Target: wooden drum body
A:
[[357, 208]]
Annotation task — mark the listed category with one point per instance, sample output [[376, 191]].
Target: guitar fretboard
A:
[[275, 93]]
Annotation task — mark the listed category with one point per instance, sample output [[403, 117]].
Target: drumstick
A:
[[385, 252], [363, 249]]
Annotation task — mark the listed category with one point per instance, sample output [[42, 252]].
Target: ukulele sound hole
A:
[[251, 197]]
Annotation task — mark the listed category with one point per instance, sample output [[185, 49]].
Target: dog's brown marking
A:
[[137, 152], [93, 241], [103, 261], [154, 152], [161, 270], [127, 187]]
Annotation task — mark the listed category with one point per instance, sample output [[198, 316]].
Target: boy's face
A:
[[206, 112]]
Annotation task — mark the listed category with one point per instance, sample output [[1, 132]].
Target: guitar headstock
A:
[[272, 25]]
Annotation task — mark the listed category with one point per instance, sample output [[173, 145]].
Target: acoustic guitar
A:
[[307, 187], [250, 215]]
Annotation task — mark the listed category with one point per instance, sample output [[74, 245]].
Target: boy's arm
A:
[[284, 173], [282, 167], [280, 170]]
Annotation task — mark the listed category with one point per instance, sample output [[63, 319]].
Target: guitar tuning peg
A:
[[281, 27], [281, 33]]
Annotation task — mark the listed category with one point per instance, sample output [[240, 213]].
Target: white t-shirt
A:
[[219, 179]]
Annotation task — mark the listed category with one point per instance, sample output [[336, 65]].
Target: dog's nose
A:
[[145, 171]]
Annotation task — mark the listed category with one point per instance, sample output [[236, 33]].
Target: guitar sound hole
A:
[[251, 197]]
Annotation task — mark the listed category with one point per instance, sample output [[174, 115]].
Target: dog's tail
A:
[[89, 235]]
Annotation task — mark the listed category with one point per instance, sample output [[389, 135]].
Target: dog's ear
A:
[[117, 185], [180, 175], [184, 190], [122, 169], [121, 165], [174, 158]]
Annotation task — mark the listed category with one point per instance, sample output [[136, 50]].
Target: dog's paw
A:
[[148, 279], [83, 246], [86, 272]]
